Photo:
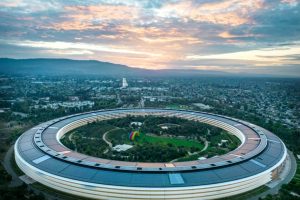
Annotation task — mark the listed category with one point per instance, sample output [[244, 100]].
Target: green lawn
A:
[[119, 136], [165, 140], [122, 136]]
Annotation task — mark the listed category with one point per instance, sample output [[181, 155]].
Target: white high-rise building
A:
[[124, 83]]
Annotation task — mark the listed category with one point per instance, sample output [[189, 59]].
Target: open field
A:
[[121, 136], [144, 138]]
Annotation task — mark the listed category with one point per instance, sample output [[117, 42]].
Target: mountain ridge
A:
[[63, 67]]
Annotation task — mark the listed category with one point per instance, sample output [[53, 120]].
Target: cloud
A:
[[265, 56], [10, 3], [217, 34], [228, 35], [94, 16], [188, 40], [69, 52], [84, 47], [230, 12], [290, 2], [29, 6]]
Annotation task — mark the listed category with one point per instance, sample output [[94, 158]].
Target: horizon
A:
[[258, 37], [163, 72]]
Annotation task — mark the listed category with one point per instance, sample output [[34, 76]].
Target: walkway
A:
[[105, 139], [205, 146], [206, 143]]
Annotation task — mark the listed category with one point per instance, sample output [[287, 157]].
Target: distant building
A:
[[122, 147], [67, 104], [202, 106], [45, 99], [23, 115], [124, 83], [136, 123], [74, 98]]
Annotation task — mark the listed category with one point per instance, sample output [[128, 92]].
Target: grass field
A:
[[166, 140], [234, 142], [122, 136], [119, 136]]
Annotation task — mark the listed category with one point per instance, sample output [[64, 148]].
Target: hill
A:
[[62, 67]]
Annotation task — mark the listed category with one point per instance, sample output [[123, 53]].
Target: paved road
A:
[[105, 139], [205, 146], [15, 182], [286, 179]]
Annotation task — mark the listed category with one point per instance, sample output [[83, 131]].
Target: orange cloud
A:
[[94, 17], [169, 44], [226, 12], [10, 3], [75, 25], [154, 35], [187, 39], [157, 46], [259, 56], [228, 35], [102, 12], [210, 67]]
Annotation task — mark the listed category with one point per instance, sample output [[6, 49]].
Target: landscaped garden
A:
[[150, 139]]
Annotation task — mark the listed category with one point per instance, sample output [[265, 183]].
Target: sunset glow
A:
[[225, 35]]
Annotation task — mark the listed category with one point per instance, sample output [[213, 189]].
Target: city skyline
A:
[[236, 36]]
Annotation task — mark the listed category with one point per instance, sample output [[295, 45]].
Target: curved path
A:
[[205, 146], [206, 143], [106, 140]]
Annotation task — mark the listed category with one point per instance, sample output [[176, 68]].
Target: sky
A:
[[239, 36]]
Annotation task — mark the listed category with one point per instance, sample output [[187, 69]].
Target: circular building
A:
[[259, 159]]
